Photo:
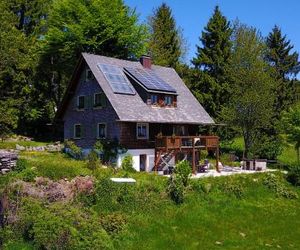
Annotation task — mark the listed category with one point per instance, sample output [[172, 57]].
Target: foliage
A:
[[210, 207], [113, 223], [60, 227], [293, 176], [73, 149], [8, 119], [29, 174], [285, 62], [166, 42], [209, 83], [127, 163], [251, 105], [175, 189], [105, 27], [93, 160], [110, 150], [276, 183], [21, 165], [53, 165], [183, 172], [291, 126]]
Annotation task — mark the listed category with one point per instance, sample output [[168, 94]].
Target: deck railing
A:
[[186, 142]]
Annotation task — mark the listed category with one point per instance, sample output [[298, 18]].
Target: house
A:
[[146, 107]]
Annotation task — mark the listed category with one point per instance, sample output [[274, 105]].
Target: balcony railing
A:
[[186, 142]]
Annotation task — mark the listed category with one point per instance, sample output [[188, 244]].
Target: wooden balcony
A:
[[192, 144], [186, 142]]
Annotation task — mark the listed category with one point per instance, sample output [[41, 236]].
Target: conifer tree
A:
[[165, 43], [286, 65], [211, 58]]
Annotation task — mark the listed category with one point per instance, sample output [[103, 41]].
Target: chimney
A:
[[146, 61]]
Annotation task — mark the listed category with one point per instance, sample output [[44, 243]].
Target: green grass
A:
[[260, 220], [54, 165], [210, 218], [12, 144], [288, 155]]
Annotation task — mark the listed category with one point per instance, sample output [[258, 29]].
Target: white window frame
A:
[[155, 103], [102, 123], [74, 131], [87, 73], [147, 130], [77, 106], [168, 97], [98, 93]]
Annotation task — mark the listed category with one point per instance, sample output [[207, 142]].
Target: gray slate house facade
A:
[[145, 107]]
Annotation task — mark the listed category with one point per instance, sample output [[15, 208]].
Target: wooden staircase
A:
[[163, 162]]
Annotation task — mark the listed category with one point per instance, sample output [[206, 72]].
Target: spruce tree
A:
[[165, 42], [286, 65], [211, 58]]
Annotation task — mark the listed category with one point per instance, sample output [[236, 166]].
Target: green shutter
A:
[[103, 100], [86, 100], [94, 127], [72, 132], [90, 101], [82, 132]]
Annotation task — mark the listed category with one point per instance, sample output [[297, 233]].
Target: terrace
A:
[[172, 147]]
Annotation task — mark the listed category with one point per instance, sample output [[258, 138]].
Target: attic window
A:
[[154, 99], [89, 75], [168, 100]]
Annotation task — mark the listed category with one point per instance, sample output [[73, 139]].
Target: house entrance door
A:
[[143, 160]]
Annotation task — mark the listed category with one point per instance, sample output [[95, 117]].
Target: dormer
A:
[[152, 89]]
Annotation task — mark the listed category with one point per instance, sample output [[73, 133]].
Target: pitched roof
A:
[[132, 108]]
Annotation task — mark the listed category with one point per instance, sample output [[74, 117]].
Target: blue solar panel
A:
[[149, 80], [116, 79]]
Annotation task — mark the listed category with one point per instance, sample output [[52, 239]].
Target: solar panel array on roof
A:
[[149, 80], [116, 79]]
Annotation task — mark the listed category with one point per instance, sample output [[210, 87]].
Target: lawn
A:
[[12, 144], [237, 212]]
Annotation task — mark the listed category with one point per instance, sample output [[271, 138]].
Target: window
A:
[[101, 130], [80, 102], [99, 100], [168, 100], [153, 99], [89, 75], [77, 131], [142, 130]]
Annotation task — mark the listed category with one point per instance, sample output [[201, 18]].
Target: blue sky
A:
[[193, 15]]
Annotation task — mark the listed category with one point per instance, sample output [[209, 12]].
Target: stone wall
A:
[[8, 161], [56, 147]]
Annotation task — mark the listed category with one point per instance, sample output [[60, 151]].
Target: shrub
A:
[[175, 189], [127, 163], [75, 151], [113, 223], [21, 165], [294, 176], [276, 183], [29, 174], [93, 160], [234, 188], [58, 226], [183, 172]]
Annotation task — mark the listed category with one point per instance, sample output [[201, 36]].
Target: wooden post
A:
[[155, 159], [193, 158], [217, 157]]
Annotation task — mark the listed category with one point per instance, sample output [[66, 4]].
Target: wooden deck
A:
[[187, 144]]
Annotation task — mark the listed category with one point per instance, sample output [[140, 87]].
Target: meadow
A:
[[257, 211]]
